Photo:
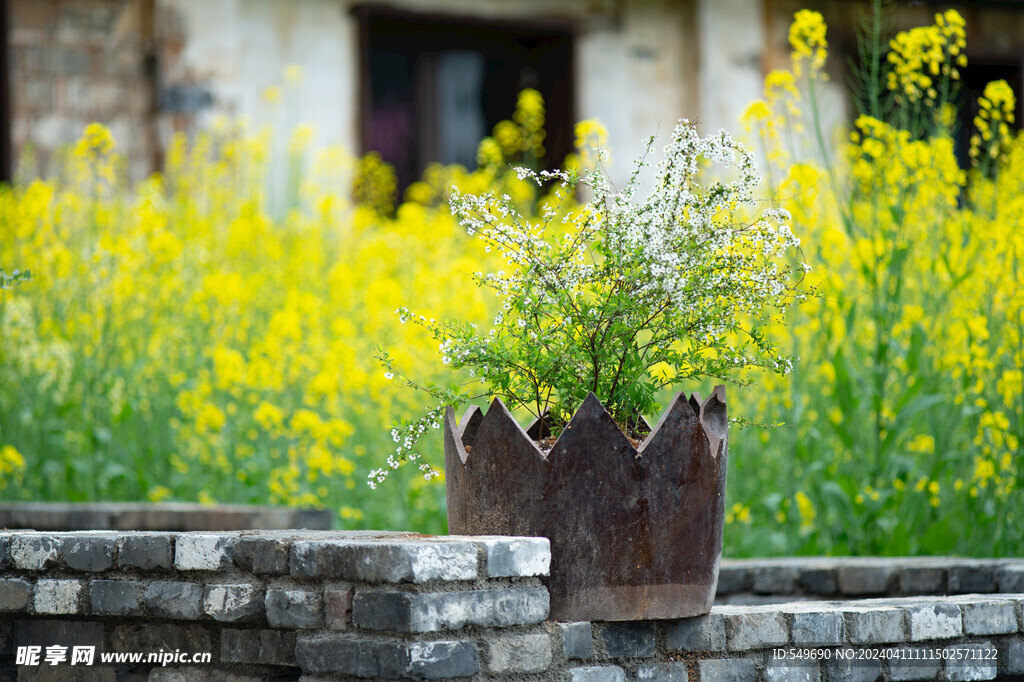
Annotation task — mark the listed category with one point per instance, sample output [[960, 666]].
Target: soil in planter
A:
[[633, 435]]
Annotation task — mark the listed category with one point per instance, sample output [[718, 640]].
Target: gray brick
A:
[[115, 597], [726, 670], [774, 579], [167, 599], [868, 625], [15, 594], [818, 628], [662, 672], [972, 578], [516, 557], [733, 579], [755, 630], [60, 596], [853, 671], [294, 608], [975, 666], [442, 660], [1011, 656], [203, 552], [1010, 579], [137, 636], [703, 633], [989, 618], [781, 671], [923, 580], [428, 612], [923, 665], [5, 550], [150, 551], [338, 608], [627, 640], [865, 579], [35, 552], [934, 621], [577, 640], [88, 552], [818, 580], [262, 556], [69, 633], [265, 647], [373, 658], [519, 654], [392, 562], [597, 673], [232, 603]]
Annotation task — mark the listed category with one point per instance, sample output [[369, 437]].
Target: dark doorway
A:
[[433, 87]]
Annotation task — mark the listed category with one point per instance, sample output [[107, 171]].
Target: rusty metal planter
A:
[[636, 533]]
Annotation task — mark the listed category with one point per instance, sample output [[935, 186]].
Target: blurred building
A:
[[417, 80]]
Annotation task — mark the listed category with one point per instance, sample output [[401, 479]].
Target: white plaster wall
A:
[[732, 41], [635, 76], [633, 72], [238, 48]]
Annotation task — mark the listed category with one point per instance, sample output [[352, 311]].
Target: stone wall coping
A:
[[747, 580], [165, 516], [327, 606], [370, 556]]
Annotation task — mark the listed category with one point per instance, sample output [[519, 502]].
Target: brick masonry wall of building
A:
[[72, 63], [320, 606]]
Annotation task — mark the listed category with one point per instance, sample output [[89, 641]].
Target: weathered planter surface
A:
[[636, 533]]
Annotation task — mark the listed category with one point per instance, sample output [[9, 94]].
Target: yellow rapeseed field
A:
[[195, 337], [207, 334], [905, 415]]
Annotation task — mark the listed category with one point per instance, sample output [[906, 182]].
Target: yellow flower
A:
[[12, 465], [268, 416], [984, 470], [210, 419], [509, 138], [922, 442], [807, 38], [293, 75], [159, 494], [272, 94], [996, 109], [806, 510], [757, 111], [920, 55]]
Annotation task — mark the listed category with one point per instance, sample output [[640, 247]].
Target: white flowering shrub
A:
[[622, 296], [8, 281]]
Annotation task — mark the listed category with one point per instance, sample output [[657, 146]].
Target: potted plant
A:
[[603, 306]]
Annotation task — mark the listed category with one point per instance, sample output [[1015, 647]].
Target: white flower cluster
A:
[[594, 298], [686, 243], [406, 436]]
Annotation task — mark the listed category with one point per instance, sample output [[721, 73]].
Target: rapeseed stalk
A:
[[905, 418]]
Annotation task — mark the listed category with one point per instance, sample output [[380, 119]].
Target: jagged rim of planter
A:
[[711, 414]]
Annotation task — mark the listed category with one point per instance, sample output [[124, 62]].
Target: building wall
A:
[[76, 62], [148, 68], [636, 62]]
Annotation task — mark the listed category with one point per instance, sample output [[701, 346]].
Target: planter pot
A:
[[636, 532]]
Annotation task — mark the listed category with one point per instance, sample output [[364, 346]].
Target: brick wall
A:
[[73, 62], [321, 606]]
